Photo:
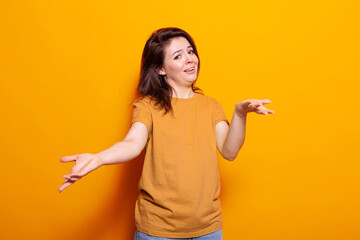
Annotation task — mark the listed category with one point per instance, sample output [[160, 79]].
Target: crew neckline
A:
[[185, 99]]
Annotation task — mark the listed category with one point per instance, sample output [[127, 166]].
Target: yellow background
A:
[[69, 71]]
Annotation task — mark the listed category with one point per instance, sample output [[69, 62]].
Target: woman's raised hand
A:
[[253, 105], [84, 163]]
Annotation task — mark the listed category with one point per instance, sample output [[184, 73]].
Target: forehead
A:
[[176, 44]]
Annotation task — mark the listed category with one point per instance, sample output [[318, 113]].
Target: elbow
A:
[[229, 154], [230, 157], [136, 151]]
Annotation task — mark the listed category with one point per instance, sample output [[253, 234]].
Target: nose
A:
[[189, 58]]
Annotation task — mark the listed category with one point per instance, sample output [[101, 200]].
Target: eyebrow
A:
[[181, 49]]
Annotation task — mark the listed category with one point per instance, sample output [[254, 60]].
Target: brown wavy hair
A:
[[151, 83]]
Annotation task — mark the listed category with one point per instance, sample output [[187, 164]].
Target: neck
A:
[[183, 93]]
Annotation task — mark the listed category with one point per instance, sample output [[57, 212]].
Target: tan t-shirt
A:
[[180, 184]]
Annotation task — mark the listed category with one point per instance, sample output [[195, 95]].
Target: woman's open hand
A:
[[84, 163], [253, 105]]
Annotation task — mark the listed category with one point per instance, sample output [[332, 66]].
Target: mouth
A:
[[190, 70]]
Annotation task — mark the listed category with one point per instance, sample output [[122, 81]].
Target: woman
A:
[[181, 131]]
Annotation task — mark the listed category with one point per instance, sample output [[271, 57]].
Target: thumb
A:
[[68, 158]]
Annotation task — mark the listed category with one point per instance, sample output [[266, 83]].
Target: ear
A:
[[161, 71]]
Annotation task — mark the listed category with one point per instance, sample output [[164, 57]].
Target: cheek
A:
[[175, 67], [196, 59]]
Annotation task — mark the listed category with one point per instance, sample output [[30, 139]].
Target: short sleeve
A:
[[218, 113], [142, 112]]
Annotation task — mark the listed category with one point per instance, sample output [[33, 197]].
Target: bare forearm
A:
[[235, 137], [231, 139], [120, 152]]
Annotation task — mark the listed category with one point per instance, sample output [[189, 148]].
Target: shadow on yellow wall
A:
[[114, 219]]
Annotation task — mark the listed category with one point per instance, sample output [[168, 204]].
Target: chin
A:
[[192, 78], [192, 81]]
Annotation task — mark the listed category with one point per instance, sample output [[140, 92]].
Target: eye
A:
[[191, 51], [177, 57]]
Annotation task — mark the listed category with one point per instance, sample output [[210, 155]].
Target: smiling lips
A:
[[190, 70]]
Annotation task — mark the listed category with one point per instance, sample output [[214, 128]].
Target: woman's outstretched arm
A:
[[230, 139], [120, 152]]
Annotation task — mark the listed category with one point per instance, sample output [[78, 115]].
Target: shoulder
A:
[[207, 99], [146, 101], [143, 104], [143, 99]]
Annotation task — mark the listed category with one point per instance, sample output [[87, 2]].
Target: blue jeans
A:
[[212, 236]]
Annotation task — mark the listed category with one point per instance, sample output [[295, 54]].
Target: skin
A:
[[178, 58]]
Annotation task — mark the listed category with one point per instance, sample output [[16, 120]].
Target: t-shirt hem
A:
[[180, 235]]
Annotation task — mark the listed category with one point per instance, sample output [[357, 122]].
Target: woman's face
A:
[[180, 67]]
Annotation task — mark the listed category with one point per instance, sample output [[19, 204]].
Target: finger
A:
[[262, 112], [258, 103], [255, 104], [68, 158], [71, 178], [265, 101], [77, 174], [74, 177], [66, 184], [261, 108], [246, 103], [267, 110]]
